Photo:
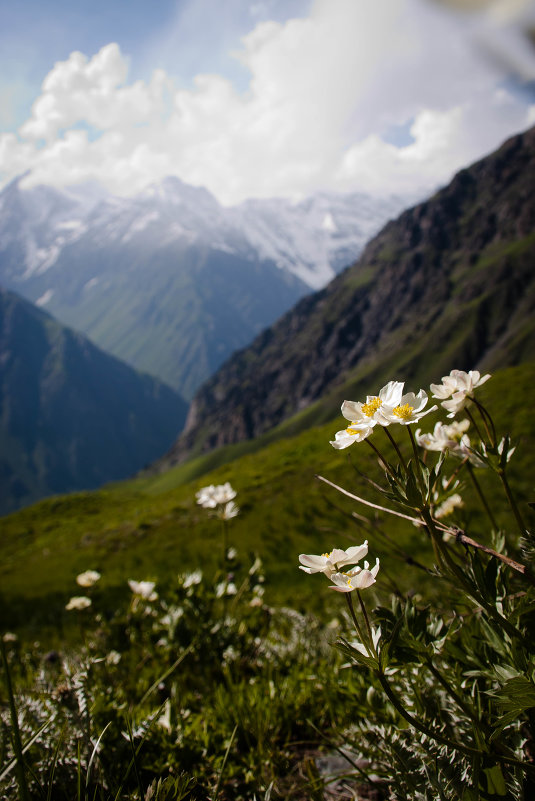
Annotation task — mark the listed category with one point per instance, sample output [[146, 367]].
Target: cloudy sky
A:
[[261, 98]]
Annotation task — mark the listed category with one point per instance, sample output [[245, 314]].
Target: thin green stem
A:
[[353, 615], [382, 460], [396, 447], [516, 511], [487, 420], [474, 423], [367, 621], [481, 495], [417, 467], [17, 743]]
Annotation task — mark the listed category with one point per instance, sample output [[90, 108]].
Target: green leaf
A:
[[495, 781]]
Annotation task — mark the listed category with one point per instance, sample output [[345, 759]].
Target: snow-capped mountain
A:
[[169, 280]]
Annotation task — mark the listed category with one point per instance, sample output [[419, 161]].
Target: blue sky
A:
[[274, 97]]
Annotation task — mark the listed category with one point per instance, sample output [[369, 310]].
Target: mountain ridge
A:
[[156, 279], [455, 271]]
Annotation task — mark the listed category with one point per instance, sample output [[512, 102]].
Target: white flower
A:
[[371, 412], [459, 387], [232, 553], [351, 434], [356, 579], [195, 577], [88, 578], [330, 563], [229, 511], [145, 589], [225, 588], [113, 657], [364, 416], [212, 496], [409, 409], [445, 437], [9, 636], [448, 506], [78, 602]]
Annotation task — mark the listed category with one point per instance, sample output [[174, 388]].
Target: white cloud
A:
[[324, 92]]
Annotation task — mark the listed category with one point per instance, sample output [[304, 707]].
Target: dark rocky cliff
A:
[[449, 283]]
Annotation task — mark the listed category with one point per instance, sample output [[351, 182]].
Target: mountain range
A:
[[71, 416], [449, 284], [170, 281]]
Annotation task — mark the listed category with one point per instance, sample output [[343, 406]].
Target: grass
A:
[[151, 528]]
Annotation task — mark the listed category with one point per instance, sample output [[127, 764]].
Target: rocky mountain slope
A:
[[71, 417], [170, 281], [450, 283]]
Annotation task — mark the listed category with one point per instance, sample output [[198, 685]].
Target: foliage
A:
[[451, 709], [171, 697]]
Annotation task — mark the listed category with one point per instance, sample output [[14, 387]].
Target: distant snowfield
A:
[[312, 239], [171, 281]]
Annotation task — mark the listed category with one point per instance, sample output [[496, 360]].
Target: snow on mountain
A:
[[312, 239], [170, 281]]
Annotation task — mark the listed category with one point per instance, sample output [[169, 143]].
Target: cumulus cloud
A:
[[325, 94]]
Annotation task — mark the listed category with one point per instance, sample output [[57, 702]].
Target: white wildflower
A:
[[88, 578], [356, 579], [330, 563], [144, 589], [78, 602]]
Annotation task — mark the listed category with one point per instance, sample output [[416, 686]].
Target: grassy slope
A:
[[152, 528]]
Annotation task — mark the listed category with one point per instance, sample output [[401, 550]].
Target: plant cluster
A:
[[200, 690], [195, 691], [450, 710]]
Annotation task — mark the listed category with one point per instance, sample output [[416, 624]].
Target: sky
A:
[[261, 98]]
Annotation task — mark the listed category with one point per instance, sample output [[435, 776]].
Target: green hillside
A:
[[151, 528]]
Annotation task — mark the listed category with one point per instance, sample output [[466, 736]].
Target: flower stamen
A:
[[403, 412], [371, 406]]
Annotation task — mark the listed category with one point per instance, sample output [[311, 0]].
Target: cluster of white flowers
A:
[[215, 495], [220, 497], [86, 580], [143, 589], [457, 388], [331, 565], [392, 406], [388, 407]]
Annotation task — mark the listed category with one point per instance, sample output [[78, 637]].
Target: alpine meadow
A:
[[267, 486]]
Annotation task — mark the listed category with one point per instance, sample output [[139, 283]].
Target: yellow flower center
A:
[[349, 582], [326, 555], [371, 407], [403, 412], [352, 431]]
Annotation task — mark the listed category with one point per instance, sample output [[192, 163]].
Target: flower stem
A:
[[481, 496], [487, 420], [396, 447], [353, 615], [382, 460], [367, 621], [516, 511]]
